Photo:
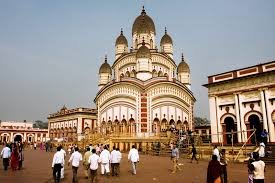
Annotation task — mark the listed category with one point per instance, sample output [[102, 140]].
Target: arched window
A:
[[151, 44], [127, 74]]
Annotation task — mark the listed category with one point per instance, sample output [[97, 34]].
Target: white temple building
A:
[[144, 90]]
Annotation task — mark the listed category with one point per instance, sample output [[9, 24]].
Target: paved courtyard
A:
[[37, 169]]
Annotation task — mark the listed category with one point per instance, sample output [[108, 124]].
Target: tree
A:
[[40, 124], [201, 121]]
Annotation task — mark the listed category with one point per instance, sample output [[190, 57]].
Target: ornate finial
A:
[[143, 11], [182, 57], [143, 42], [105, 58], [165, 30], [121, 31]]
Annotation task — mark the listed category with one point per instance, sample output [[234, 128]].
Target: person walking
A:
[[112, 157], [115, 161], [93, 164], [57, 164], [63, 168], [223, 163], [104, 159], [258, 168], [75, 158], [14, 157], [133, 157], [249, 169], [87, 155], [175, 158], [214, 171], [34, 145], [5, 154], [21, 157], [194, 153], [216, 152]]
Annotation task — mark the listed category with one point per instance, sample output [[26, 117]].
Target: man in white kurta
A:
[[75, 158], [115, 161], [134, 158], [104, 159], [216, 152], [62, 170]]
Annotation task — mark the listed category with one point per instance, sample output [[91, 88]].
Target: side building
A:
[[12, 131], [71, 125], [240, 101]]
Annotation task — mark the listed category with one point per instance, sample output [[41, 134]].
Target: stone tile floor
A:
[[37, 169]]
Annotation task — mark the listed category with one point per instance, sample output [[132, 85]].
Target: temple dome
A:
[[166, 39], [143, 52], [105, 68], [143, 24], [121, 39], [183, 66]]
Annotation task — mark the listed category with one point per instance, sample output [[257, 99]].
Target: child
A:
[[250, 171]]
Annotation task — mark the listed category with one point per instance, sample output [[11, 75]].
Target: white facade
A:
[[144, 94], [71, 125], [240, 101], [11, 131]]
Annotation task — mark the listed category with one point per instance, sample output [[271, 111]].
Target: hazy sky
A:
[[50, 51]]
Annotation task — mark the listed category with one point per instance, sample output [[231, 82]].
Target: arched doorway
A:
[[18, 138], [230, 127], [255, 123]]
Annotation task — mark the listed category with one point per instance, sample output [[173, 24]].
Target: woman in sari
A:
[[214, 171], [14, 157]]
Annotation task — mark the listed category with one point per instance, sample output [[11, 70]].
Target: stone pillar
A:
[[263, 110], [11, 137], [25, 137], [237, 112], [213, 119], [35, 137], [219, 126], [269, 119]]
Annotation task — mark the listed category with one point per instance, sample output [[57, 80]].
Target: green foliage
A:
[[201, 121], [40, 124]]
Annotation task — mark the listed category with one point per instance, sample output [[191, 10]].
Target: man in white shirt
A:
[[115, 161], [57, 164], [93, 163], [216, 152], [134, 158], [258, 168], [5, 154], [104, 159], [62, 169], [75, 158]]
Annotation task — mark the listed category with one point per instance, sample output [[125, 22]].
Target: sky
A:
[[50, 51]]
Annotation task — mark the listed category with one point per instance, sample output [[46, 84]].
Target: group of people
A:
[[12, 155], [217, 168], [92, 159]]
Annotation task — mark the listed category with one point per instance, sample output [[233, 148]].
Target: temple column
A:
[[35, 137], [11, 137], [25, 137], [269, 118], [242, 123], [237, 112], [263, 109], [213, 118]]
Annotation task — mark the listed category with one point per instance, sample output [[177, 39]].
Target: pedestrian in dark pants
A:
[[57, 164], [21, 158], [223, 162], [5, 154], [75, 158], [194, 153]]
